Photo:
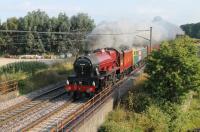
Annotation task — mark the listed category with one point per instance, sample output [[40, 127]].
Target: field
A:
[[4, 61]]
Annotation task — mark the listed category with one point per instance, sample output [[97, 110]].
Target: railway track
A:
[[17, 116], [66, 114], [31, 100], [47, 122], [24, 120], [50, 111]]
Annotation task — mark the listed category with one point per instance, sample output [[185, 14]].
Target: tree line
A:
[[192, 30], [45, 34]]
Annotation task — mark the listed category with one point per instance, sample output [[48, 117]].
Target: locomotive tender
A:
[[103, 67]]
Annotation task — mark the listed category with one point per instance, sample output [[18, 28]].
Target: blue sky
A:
[[175, 11]]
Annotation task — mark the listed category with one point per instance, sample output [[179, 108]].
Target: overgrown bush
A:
[[113, 127], [153, 120], [137, 101], [173, 70]]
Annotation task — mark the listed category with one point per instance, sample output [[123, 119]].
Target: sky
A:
[[175, 11]]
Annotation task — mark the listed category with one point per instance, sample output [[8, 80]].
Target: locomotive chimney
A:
[[87, 50]]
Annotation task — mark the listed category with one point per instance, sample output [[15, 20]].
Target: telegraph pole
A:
[[150, 38]]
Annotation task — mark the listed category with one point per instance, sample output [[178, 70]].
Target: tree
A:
[[63, 23], [173, 70], [192, 30], [38, 21], [82, 22]]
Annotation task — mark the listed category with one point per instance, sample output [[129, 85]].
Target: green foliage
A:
[[193, 30], [51, 75], [171, 98], [26, 67], [137, 101], [173, 70], [35, 75], [39, 80], [82, 21], [153, 120], [35, 43], [113, 127], [118, 116]]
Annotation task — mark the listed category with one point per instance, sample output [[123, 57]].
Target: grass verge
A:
[[35, 75], [139, 112]]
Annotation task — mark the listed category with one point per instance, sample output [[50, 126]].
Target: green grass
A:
[[35, 75], [25, 67], [54, 74], [139, 112]]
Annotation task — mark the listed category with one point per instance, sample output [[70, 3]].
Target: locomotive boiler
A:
[[94, 71]]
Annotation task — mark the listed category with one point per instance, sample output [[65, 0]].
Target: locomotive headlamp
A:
[[88, 90], [67, 82], [69, 88], [93, 83]]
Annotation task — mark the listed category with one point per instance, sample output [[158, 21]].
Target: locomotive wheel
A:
[[89, 95], [76, 95], [70, 93]]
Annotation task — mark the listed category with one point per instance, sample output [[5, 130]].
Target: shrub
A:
[[153, 120], [174, 70], [113, 127], [118, 115], [137, 101]]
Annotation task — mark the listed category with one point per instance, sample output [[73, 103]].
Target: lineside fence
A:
[[8, 86]]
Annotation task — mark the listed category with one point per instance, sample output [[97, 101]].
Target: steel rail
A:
[[18, 105], [40, 104], [36, 122]]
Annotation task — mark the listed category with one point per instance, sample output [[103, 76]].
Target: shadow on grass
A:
[[42, 79]]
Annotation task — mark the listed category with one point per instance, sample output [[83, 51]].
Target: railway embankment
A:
[[30, 76], [98, 117]]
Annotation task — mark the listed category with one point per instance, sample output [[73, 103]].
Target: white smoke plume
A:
[[124, 33]]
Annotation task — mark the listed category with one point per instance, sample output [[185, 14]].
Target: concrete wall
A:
[[96, 120]]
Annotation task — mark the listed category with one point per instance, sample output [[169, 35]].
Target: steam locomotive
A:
[[95, 71]]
